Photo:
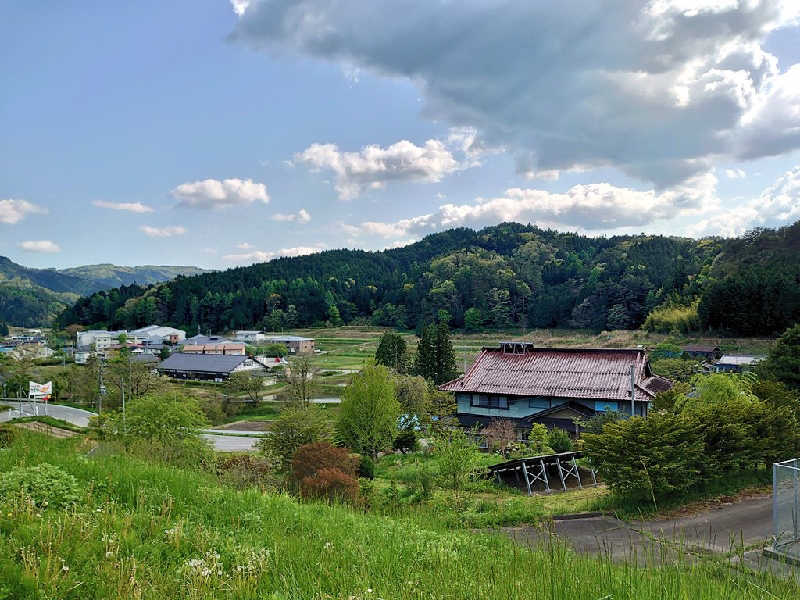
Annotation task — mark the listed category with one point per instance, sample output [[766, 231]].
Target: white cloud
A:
[[374, 166], [660, 89], [41, 246], [778, 204], [213, 193], [302, 216], [598, 206], [162, 232], [240, 6], [244, 246], [13, 211], [735, 173], [264, 256], [134, 207]]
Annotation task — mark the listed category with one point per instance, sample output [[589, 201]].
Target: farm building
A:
[[553, 386], [736, 364], [294, 344], [709, 353], [233, 348], [206, 367]]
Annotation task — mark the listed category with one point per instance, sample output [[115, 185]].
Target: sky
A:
[[221, 133]]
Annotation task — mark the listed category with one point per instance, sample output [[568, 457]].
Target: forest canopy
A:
[[509, 275]]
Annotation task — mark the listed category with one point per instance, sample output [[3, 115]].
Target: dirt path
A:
[[56, 432]]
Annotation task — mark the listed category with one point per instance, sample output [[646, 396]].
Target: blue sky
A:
[[184, 133]]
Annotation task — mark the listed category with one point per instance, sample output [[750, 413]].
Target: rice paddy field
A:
[[116, 527]]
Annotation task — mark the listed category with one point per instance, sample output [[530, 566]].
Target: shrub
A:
[[366, 467], [538, 439], [595, 423], [245, 470], [312, 458], [559, 440], [405, 441], [647, 459], [499, 434], [330, 484], [422, 482], [44, 484], [457, 458], [665, 350], [676, 369], [292, 429]]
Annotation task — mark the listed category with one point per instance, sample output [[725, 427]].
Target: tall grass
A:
[[148, 531]]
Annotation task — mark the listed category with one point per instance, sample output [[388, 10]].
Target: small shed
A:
[[703, 352]]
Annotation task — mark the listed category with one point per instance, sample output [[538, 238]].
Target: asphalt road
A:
[[76, 416], [720, 529], [79, 417]]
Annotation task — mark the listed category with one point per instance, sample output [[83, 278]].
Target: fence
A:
[[786, 508]]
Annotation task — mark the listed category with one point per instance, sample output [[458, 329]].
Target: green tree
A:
[[425, 358], [783, 362], [539, 439], [676, 369], [369, 412], [3, 329], [392, 352], [473, 319], [245, 383], [457, 458], [300, 376], [413, 396], [296, 426], [445, 356], [559, 440]]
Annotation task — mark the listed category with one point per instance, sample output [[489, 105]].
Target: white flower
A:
[[64, 568]]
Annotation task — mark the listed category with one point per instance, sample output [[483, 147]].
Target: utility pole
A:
[[633, 384]]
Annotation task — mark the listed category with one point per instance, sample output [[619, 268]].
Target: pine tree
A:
[[425, 359], [446, 369], [391, 352]]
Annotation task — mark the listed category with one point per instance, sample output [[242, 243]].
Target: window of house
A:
[[484, 401], [540, 403]]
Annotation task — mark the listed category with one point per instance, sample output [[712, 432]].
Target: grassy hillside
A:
[[145, 531]]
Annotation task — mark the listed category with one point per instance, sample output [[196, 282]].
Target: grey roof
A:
[[206, 363], [202, 340], [288, 338], [729, 359], [144, 358]]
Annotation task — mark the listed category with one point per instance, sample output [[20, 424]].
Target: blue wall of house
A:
[[520, 407]]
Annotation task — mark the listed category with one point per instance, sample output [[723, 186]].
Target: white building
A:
[[249, 336], [160, 334]]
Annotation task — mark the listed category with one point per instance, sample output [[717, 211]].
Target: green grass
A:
[[147, 531], [5, 407]]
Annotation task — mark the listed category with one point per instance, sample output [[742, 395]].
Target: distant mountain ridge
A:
[[30, 297]]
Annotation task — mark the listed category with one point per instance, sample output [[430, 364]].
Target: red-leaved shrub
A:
[[330, 484], [322, 470]]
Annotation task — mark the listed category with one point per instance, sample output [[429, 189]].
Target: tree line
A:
[[506, 276]]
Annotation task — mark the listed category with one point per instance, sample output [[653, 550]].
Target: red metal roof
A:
[[593, 373]]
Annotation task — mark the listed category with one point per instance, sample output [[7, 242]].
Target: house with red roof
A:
[[554, 386]]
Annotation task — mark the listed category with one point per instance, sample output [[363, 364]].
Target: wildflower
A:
[[65, 568], [327, 545], [109, 554], [99, 510]]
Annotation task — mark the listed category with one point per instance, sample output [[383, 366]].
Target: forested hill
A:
[[32, 297], [501, 276]]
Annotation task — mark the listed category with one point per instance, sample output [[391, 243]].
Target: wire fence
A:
[[786, 507]]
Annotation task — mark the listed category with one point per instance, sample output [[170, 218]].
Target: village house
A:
[[232, 348], [294, 343], [553, 386], [709, 353], [730, 363], [206, 367]]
